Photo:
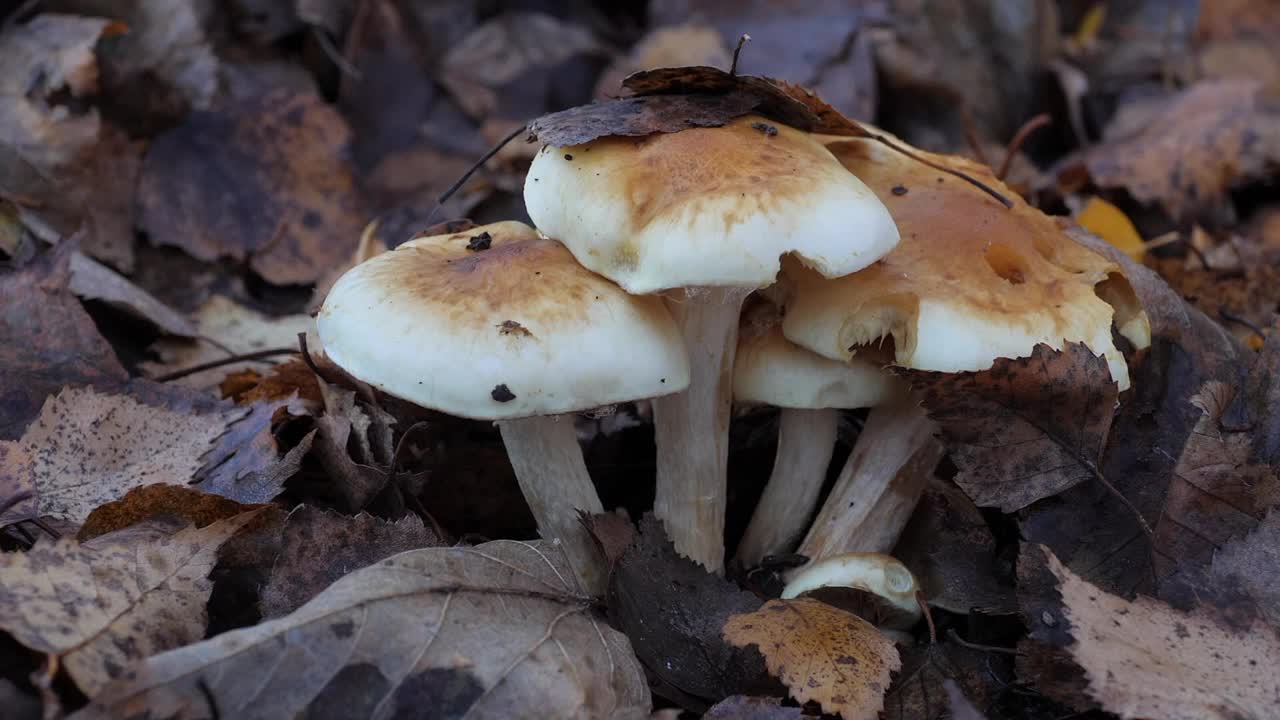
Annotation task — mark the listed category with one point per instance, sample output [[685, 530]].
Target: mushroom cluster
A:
[[847, 256]]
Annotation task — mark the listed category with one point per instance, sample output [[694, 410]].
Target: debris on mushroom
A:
[[419, 322], [704, 215], [810, 390]]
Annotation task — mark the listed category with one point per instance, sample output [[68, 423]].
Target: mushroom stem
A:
[[692, 427], [548, 463], [879, 485], [806, 439]]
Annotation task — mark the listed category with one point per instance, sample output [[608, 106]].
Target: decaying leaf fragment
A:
[[88, 448], [113, 600], [821, 653], [1145, 659], [1025, 429], [493, 631]]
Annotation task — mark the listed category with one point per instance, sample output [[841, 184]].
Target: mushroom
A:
[[971, 281], [810, 390], [881, 575], [498, 323], [704, 214]]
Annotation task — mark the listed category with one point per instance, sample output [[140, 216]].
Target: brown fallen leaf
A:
[[674, 611], [91, 280], [148, 502], [1187, 151], [47, 341], [88, 448], [821, 653], [1025, 429], [674, 46], [258, 181], [106, 603], [493, 631], [238, 329], [319, 547], [922, 690], [1143, 658], [950, 549]]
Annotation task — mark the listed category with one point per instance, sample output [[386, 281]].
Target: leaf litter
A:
[[180, 183]]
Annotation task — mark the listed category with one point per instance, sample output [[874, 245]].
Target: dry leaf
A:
[[259, 181], [1253, 563], [88, 448], [1111, 224], [821, 653], [238, 329], [356, 481], [745, 707], [163, 62], [674, 611], [288, 378], [186, 504], [92, 280], [1025, 429], [950, 549], [680, 45], [494, 631], [114, 600], [503, 53], [47, 341], [1189, 150], [319, 547], [1145, 659], [245, 463], [961, 708]]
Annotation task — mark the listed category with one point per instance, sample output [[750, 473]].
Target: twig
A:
[[928, 616], [23, 200], [471, 171], [940, 168], [954, 637], [733, 68], [246, 357], [306, 355], [44, 526], [344, 65], [1019, 138], [1231, 317], [14, 499]]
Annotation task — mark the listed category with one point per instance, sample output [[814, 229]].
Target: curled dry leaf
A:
[[1025, 429], [1187, 151], [821, 653], [104, 604], [258, 181], [92, 280], [47, 341], [88, 448], [494, 631], [238, 329], [319, 547], [1143, 658]]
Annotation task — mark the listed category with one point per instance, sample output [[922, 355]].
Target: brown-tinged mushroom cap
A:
[[771, 370], [497, 322], [706, 206], [970, 282]]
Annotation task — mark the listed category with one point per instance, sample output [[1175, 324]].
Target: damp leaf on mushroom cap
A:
[[969, 282]]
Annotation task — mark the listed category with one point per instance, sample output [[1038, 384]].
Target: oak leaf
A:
[[105, 603], [499, 630], [821, 653]]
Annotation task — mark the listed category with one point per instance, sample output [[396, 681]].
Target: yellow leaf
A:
[[1111, 224], [821, 653]]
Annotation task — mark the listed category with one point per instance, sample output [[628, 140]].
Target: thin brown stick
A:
[[954, 637], [928, 616], [246, 357], [733, 67], [444, 197], [941, 168], [1019, 138], [1228, 316]]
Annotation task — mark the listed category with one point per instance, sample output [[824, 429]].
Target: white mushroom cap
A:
[[770, 369], [706, 207], [515, 330]]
